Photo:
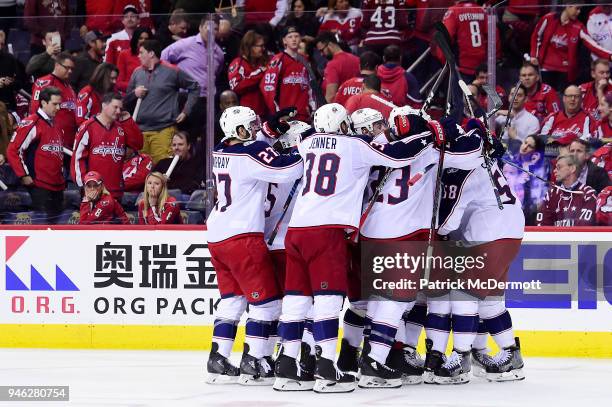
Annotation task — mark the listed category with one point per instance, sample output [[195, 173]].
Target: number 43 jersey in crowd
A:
[[242, 172]]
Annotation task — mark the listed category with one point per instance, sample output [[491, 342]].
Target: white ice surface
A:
[[166, 378]]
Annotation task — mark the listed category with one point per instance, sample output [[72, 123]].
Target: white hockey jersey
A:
[[275, 202], [242, 173], [336, 170], [469, 207], [402, 209]]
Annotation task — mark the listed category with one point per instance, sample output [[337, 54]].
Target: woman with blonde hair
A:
[[157, 207]]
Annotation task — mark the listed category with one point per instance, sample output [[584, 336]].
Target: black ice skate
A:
[[375, 375], [348, 360], [255, 372], [408, 362], [330, 379], [220, 369], [480, 361], [433, 360], [507, 364], [456, 369], [294, 375]]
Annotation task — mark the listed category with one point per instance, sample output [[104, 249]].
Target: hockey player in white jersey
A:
[[243, 168], [337, 165], [469, 214], [403, 213]]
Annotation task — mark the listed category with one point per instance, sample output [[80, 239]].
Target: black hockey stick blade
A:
[[440, 39], [494, 97]]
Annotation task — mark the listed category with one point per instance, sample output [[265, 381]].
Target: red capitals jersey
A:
[[114, 45], [384, 21], [467, 25], [428, 12], [286, 83], [561, 208], [65, 120], [601, 129], [102, 149], [525, 7], [135, 171], [88, 104], [543, 102], [244, 79], [349, 88], [589, 98], [602, 157], [604, 207], [348, 26], [558, 125], [170, 214], [374, 101], [104, 210], [36, 150]]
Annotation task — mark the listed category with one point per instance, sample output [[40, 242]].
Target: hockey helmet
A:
[[239, 116], [368, 121], [292, 137], [332, 118]]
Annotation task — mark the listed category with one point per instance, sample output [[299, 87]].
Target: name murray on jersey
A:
[[221, 162]]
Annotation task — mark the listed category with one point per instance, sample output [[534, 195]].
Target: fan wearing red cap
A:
[[98, 206]]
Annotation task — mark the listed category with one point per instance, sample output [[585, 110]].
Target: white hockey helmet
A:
[[332, 118], [293, 136], [235, 117], [365, 119], [405, 110]]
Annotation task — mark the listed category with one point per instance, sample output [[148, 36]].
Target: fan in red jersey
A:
[[368, 61], [570, 123], [384, 23], [542, 99], [98, 206], [599, 87], [157, 207], [89, 99]]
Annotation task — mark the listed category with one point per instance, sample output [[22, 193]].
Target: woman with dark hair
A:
[[89, 100], [303, 18], [128, 61], [246, 71]]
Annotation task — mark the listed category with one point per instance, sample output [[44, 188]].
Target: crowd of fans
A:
[[67, 94]]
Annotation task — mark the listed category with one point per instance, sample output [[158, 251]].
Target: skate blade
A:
[[331, 386], [219, 379], [461, 379], [513, 375], [428, 378], [412, 379], [373, 382], [249, 380], [479, 371], [285, 384]]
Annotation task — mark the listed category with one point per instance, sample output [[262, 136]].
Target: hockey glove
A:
[[409, 125]]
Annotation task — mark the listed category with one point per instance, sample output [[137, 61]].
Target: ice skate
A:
[[255, 372], [220, 369], [330, 379], [456, 369], [433, 360], [375, 375], [348, 360], [408, 362], [507, 364], [480, 361]]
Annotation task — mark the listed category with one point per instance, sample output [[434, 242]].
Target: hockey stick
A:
[[507, 123], [175, 160], [494, 96], [551, 184], [419, 60], [430, 81], [67, 151], [285, 208], [3, 185], [136, 109]]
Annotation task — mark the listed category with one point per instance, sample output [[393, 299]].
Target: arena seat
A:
[[13, 201], [197, 201], [69, 217], [72, 199], [25, 218], [129, 200], [192, 217]]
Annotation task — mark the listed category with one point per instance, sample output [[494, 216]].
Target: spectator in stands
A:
[[570, 123], [157, 207], [188, 173], [599, 87], [482, 78], [227, 99], [371, 97], [128, 60], [42, 64], [466, 23], [194, 10], [603, 128], [101, 142], [98, 205], [598, 27], [303, 18], [531, 158], [35, 153], [398, 85], [66, 117], [341, 67], [384, 23], [105, 15], [247, 70], [561, 208], [89, 99], [542, 99], [136, 167], [368, 63], [339, 17], [521, 124], [87, 61], [191, 56], [12, 79], [554, 45], [286, 82], [588, 173], [43, 16], [176, 30], [121, 40], [6, 132], [264, 12], [159, 112], [602, 158], [604, 207]]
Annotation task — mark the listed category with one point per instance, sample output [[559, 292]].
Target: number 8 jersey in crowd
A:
[[242, 172]]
